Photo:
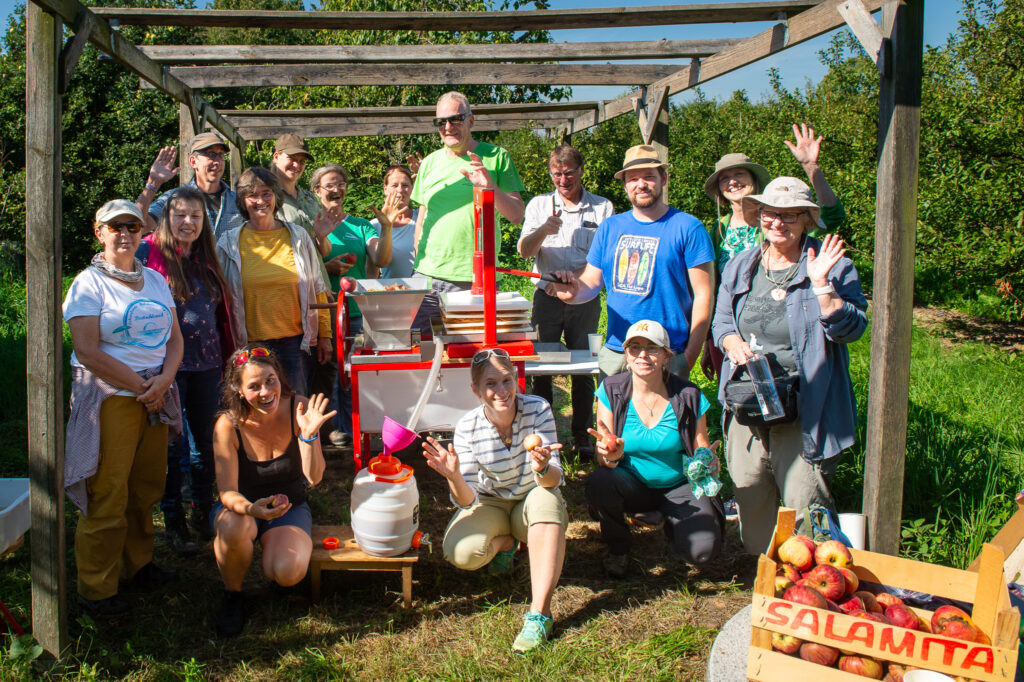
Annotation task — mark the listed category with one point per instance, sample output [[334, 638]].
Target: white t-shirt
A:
[[134, 325], [402, 248]]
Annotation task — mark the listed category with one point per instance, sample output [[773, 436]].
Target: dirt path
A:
[[958, 327]]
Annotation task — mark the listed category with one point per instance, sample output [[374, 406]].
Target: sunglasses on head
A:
[[454, 120], [257, 352], [133, 226], [485, 355]]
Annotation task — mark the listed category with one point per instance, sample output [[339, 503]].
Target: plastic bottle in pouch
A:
[[764, 384]]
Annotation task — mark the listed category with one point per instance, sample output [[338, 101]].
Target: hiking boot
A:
[[151, 577], [503, 562], [105, 608], [615, 565], [340, 439], [536, 630], [231, 617], [199, 521], [584, 446], [177, 536]]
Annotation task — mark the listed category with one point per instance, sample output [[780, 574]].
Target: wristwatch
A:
[[827, 289]]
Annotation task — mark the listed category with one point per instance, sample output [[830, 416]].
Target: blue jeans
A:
[[200, 399], [296, 363], [343, 396]]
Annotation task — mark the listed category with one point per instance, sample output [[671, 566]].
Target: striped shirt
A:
[[487, 465]]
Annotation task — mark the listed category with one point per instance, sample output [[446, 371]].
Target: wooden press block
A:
[[348, 557]]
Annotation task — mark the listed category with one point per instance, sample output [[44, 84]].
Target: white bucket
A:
[[925, 676], [855, 528], [385, 508]]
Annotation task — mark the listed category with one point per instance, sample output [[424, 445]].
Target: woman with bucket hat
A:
[[802, 300]]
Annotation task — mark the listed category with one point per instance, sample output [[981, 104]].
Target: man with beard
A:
[[656, 263]]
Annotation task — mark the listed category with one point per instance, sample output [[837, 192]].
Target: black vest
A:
[[683, 396]]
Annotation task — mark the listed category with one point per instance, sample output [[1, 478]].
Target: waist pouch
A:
[[741, 400]]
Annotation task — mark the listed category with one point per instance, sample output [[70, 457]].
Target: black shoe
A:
[[654, 520], [151, 577], [177, 536], [199, 520], [105, 608], [231, 617], [584, 446], [616, 565]]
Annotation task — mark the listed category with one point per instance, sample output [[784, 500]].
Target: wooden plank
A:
[[1008, 539], [914, 575], [513, 20], [73, 49], [863, 26], [800, 28], [373, 129], [990, 583], [478, 109], [126, 54], [236, 162], [45, 359], [892, 304], [419, 54], [185, 134], [278, 75], [771, 666], [428, 120]]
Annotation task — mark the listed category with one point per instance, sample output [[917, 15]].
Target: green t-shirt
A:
[[446, 241], [351, 236]]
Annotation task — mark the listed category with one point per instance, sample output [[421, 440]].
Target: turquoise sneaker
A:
[[536, 630], [502, 562]]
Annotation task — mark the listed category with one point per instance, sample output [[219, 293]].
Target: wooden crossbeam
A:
[[418, 54], [517, 20], [371, 127], [478, 109], [279, 75], [480, 119], [800, 28]]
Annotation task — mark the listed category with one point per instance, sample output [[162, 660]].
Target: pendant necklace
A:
[[779, 292]]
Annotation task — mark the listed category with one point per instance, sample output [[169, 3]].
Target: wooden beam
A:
[[479, 119], [126, 54], [279, 75], [899, 118], [236, 163], [369, 128], [513, 20], [73, 48], [863, 26], [809, 24], [420, 54], [45, 357], [653, 115], [186, 131], [373, 112]]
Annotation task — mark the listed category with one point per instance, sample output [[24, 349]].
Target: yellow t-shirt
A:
[[271, 287]]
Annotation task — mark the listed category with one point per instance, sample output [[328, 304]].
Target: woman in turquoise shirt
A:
[[659, 423]]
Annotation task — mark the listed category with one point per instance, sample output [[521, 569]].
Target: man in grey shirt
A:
[[557, 232]]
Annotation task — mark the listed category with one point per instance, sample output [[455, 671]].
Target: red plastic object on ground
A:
[[331, 542]]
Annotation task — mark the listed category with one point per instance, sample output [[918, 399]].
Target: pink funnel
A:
[[395, 436]]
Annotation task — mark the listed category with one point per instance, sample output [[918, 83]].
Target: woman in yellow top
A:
[[272, 269]]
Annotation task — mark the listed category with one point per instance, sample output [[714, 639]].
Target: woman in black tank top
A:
[[267, 450]]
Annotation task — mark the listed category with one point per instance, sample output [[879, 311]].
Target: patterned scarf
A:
[[101, 264]]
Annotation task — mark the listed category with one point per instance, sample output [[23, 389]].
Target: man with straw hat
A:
[[655, 262]]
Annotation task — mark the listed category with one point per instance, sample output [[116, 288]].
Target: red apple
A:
[[789, 570], [851, 603], [902, 617], [787, 644], [782, 583], [871, 604], [819, 653], [350, 258], [852, 581], [833, 607], [802, 594], [532, 442], [885, 600], [833, 553], [877, 617], [799, 551], [895, 672], [861, 665], [347, 284], [827, 580], [950, 621], [278, 500]]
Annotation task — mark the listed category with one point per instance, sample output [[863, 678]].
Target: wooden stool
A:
[[348, 557]]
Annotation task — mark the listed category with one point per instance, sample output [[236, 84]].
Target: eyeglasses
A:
[[257, 352], [485, 355], [568, 175], [212, 156], [788, 218], [333, 188], [133, 227], [455, 120], [635, 349]]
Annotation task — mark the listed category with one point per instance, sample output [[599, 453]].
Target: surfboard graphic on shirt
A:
[[634, 264]]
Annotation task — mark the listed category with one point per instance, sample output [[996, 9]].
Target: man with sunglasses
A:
[[557, 231], [207, 155], [444, 190]]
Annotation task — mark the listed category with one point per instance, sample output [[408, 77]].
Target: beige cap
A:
[[640, 156], [782, 192], [205, 141], [650, 330], [117, 207], [291, 144]]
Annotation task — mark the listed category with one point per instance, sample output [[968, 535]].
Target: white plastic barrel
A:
[[385, 508]]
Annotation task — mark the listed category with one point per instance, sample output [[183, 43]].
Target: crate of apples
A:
[[819, 612]]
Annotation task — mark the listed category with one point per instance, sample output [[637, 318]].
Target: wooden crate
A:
[[985, 589]]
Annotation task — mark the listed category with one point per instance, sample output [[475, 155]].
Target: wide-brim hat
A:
[[650, 330], [640, 156], [117, 207], [205, 141], [760, 173], [291, 144], [782, 192]]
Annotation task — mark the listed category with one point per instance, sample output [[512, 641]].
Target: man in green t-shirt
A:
[[444, 190]]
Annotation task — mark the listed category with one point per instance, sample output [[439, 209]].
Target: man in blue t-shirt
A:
[[656, 263]]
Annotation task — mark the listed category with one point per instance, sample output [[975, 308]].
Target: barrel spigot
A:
[[420, 538]]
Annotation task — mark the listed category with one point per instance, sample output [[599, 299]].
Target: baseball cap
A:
[[650, 330], [117, 207], [205, 141], [292, 144]]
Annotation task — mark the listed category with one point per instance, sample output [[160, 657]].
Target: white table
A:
[[582, 363]]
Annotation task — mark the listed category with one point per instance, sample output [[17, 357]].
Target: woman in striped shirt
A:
[[505, 492]]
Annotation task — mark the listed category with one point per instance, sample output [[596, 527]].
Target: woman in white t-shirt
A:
[[127, 347], [398, 183]]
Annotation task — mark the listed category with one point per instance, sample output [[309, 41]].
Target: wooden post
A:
[[45, 358], [899, 106], [185, 134], [659, 135], [237, 163]]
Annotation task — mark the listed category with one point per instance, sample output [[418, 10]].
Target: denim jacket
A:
[[307, 270], [828, 410]]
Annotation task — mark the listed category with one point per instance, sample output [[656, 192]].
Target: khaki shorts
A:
[[467, 540]]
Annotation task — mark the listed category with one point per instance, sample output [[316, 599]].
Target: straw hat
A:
[[782, 192], [640, 156], [760, 173]]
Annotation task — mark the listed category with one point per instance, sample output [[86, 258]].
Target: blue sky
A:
[[797, 64]]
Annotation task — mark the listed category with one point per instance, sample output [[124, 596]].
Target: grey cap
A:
[[782, 192]]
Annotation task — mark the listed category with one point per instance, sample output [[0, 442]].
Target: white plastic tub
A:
[[14, 512]]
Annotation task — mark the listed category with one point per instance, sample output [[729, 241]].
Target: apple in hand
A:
[[799, 551], [861, 665], [787, 644], [833, 553], [827, 580], [350, 258], [347, 284], [902, 617], [278, 500], [819, 653], [532, 442], [802, 594]]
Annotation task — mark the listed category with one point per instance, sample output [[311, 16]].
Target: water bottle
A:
[[764, 384]]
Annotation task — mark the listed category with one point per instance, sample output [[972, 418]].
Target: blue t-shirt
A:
[[644, 266], [654, 455]]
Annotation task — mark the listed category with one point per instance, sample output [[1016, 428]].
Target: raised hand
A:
[[442, 460], [553, 223], [609, 447], [163, 169], [393, 207], [311, 416], [413, 161], [807, 146], [477, 174], [326, 220], [819, 265]]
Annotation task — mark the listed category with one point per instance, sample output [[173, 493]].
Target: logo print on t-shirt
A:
[[147, 323], [634, 264]]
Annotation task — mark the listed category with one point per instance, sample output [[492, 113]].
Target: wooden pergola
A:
[[181, 71]]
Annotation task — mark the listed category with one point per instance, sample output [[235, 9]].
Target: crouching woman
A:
[[504, 492], [267, 450]]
